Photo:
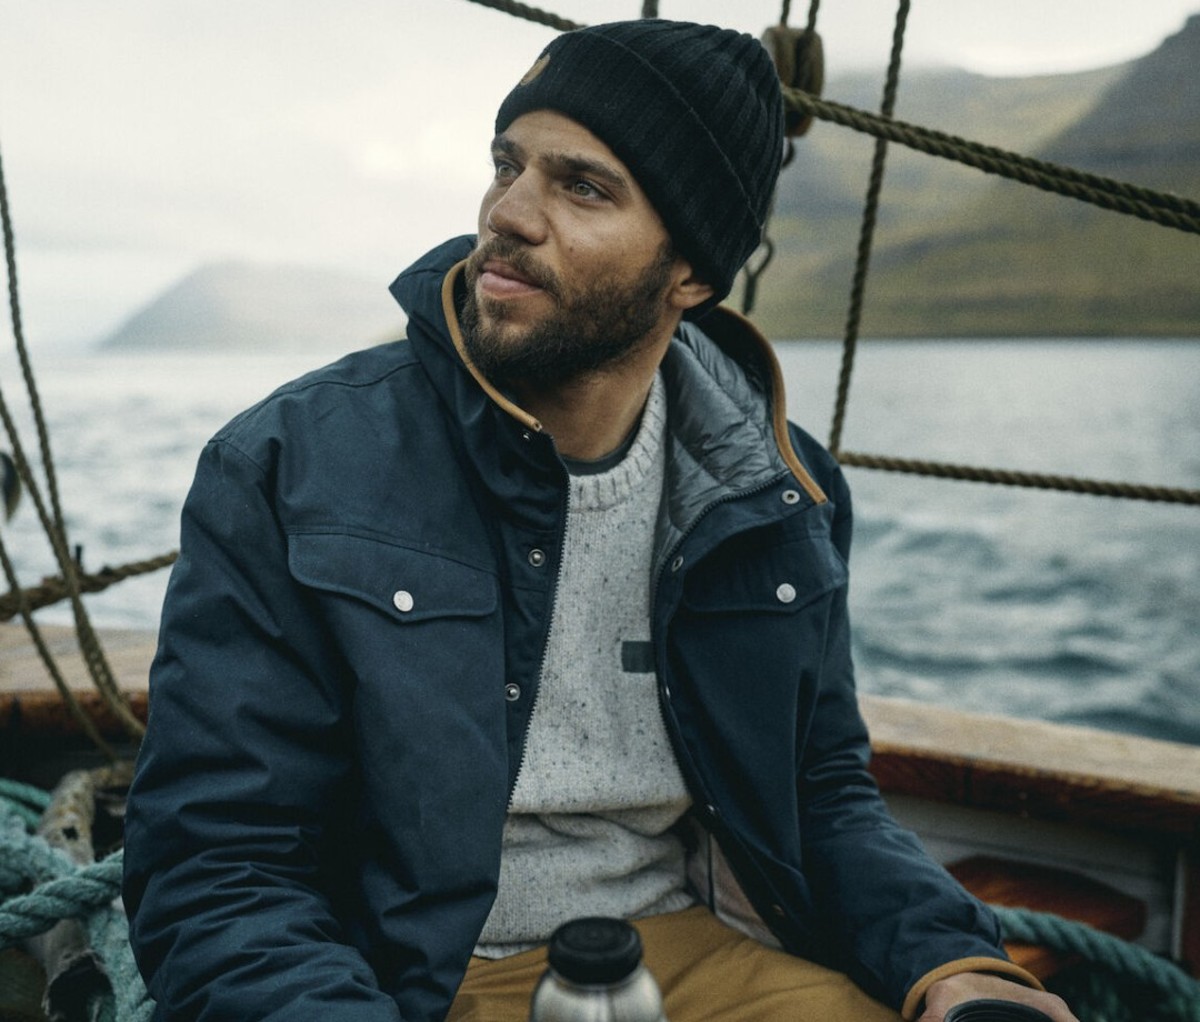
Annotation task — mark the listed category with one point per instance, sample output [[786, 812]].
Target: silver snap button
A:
[[402, 601], [778, 910], [791, 497], [677, 564], [537, 557], [785, 593], [512, 692], [526, 435]]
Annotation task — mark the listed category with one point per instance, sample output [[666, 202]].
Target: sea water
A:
[[1049, 605]]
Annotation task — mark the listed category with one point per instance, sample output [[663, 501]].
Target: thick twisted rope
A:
[[66, 891], [52, 590], [70, 896], [1034, 480], [1113, 953], [1163, 208], [27, 859], [22, 800]]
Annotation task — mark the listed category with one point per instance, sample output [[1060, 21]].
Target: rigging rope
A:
[[54, 589], [1163, 208], [867, 234], [1032, 480], [55, 528], [528, 13]]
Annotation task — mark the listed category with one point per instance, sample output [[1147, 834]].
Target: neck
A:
[[589, 417]]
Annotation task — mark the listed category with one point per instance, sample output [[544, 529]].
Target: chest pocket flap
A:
[[406, 584], [781, 579]]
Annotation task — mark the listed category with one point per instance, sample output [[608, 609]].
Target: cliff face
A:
[[1145, 127], [959, 253]]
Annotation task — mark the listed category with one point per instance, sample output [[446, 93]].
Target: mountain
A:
[[961, 253], [247, 307]]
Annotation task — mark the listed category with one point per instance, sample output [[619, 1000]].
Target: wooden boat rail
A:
[[1011, 782]]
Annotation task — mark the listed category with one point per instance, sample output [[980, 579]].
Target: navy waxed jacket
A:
[[351, 645]]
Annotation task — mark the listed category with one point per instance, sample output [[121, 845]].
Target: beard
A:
[[589, 329]]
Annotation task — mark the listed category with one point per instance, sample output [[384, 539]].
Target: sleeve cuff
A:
[[996, 966]]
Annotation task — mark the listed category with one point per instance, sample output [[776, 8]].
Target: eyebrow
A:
[[565, 163]]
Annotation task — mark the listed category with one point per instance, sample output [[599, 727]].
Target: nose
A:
[[516, 211]]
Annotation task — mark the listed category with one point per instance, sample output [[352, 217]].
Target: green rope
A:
[[67, 897], [62, 890], [26, 858], [1113, 954], [23, 801], [26, 793]]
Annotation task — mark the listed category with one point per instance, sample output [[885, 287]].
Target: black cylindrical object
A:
[[988, 1010], [596, 975]]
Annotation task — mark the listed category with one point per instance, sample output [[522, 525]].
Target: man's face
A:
[[573, 264]]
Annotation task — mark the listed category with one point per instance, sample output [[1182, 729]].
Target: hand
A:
[[969, 986]]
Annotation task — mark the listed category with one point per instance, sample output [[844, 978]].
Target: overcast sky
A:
[[143, 138]]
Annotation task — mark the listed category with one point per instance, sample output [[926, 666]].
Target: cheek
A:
[[485, 207]]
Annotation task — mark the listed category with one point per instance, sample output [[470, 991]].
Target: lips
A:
[[499, 278], [506, 271]]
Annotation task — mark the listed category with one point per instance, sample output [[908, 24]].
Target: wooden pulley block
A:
[[800, 62]]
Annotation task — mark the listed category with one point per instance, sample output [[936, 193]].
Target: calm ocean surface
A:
[[1055, 606]]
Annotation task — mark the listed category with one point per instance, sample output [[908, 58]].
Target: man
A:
[[540, 614]]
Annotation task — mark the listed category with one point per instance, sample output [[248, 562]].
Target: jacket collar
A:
[[728, 430]]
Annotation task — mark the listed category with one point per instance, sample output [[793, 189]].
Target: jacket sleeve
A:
[[893, 914], [230, 832]]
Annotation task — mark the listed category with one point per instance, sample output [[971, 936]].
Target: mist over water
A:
[[1047, 605]]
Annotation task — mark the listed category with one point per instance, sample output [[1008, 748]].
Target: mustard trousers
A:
[[707, 972]]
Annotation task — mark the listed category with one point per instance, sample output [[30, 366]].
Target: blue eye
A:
[[585, 189]]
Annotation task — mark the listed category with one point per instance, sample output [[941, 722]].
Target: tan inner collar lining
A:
[[451, 313]]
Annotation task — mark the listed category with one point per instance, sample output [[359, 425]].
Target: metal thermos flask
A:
[[596, 975], [988, 1010]]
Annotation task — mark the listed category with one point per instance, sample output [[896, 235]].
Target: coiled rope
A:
[[1180, 992], [40, 886]]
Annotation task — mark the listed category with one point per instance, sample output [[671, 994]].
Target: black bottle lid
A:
[[595, 949], [989, 1010]]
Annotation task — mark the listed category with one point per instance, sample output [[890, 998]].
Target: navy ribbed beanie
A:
[[695, 113]]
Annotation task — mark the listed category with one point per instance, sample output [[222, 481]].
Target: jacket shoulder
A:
[[366, 383]]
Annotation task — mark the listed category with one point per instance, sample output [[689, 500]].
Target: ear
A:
[[687, 290]]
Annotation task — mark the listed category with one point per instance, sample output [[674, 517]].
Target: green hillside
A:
[[960, 253]]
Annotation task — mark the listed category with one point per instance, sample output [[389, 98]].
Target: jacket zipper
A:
[[562, 551]]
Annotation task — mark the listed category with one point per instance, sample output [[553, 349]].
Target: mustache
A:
[[513, 252]]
